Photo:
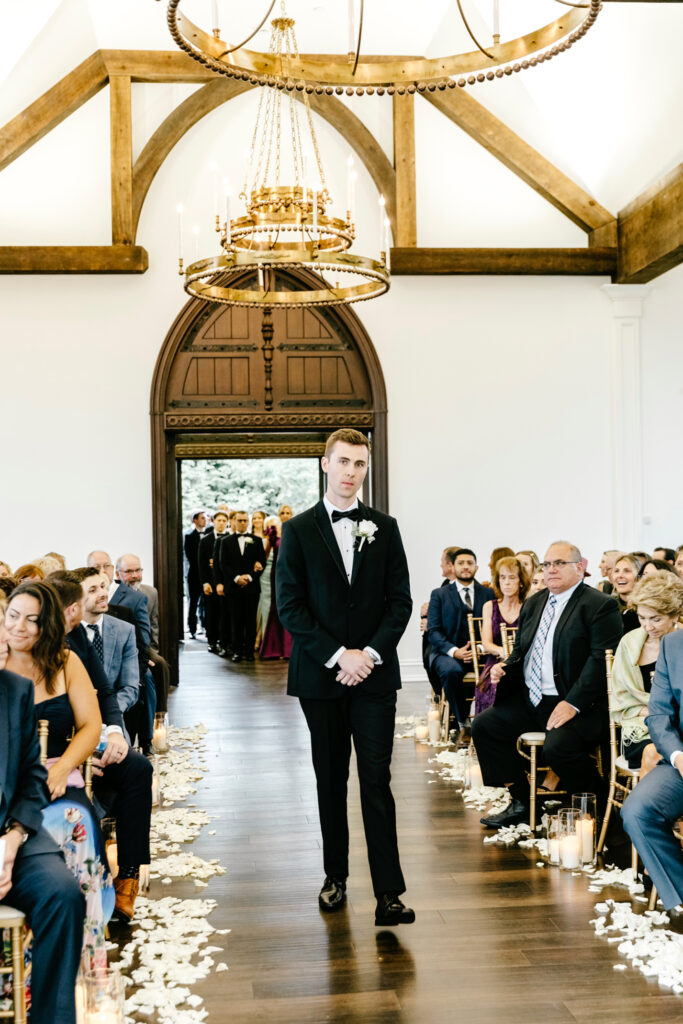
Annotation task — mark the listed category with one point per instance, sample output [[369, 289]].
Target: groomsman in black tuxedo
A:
[[343, 593], [448, 630], [207, 549], [191, 550], [242, 557]]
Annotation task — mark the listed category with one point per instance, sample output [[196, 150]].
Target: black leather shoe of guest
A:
[[236, 657], [332, 895], [391, 911], [513, 814]]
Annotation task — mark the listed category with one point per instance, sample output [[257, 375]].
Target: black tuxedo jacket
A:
[[590, 623], [23, 780], [324, 611], [205, 557], [191, 550], [447, 616], [232, 563]]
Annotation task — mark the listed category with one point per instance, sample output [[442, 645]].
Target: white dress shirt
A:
[[548, 688], [461, 594], [242, 541], [343, 533]]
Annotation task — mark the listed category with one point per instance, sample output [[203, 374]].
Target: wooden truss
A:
[[643, 241]]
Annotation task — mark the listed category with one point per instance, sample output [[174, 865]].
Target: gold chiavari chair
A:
[[15, 921], [622, 779], [43, 730], [508, 635], [474, 629]]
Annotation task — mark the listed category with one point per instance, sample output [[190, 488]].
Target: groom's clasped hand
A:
[[354, 667]]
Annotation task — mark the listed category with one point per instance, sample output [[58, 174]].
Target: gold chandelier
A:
[[350, 73], [286, 227]]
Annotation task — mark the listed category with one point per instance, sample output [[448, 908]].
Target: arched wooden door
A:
[[233, 382]]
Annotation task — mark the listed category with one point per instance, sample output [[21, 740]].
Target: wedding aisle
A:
[[496, 938]]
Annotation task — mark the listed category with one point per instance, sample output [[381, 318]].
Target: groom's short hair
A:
[[346, 436]]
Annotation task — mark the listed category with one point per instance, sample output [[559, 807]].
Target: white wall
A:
[[498, 388]]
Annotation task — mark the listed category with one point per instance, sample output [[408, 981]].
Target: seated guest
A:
[[5, 569], [207, 546], [624, 578], [60, 558], [510, 585], [242, 558], [122, 778], [554, 682], [530, 562], [47, 564], [129, 571], [653, 566], [657, 802], [496, 556], [28, 572], [537, 582], [7, 585], [446, 565], [448, 632], [678, 564], [65, 697], [34, 877], [665, 555], [658, 601], [606, 567]]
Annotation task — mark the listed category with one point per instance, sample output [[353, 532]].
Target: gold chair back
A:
[[508, 635], [86, 768], [474, 629], [622, 779]]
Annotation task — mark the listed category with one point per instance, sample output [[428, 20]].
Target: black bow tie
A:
[[353, 513]]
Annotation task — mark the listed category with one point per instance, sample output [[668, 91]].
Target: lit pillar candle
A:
[[160, 734], [586, 830], [570, 851], [179, 208], [554, 851], [382, 233], [421, 733], [434, 725]]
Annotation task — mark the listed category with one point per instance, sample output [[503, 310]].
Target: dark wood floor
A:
[[496, 939]]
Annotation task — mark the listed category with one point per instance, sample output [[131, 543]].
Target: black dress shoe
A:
[[332, 895], [391, 911], [213, 648], [513, 814], [236, 657]]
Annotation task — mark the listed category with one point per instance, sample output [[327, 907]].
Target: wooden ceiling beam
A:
[[50, 109], [73, 259], [121, 161], [404, 165], [524, 262], [651, 231], [156, 66], [518, 156]]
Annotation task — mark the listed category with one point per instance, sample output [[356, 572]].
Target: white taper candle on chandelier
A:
[[213, 167], [351, 9], [315, 211], [496, 20], [214, 16], [226, 189], [179, 208], [260, 278], [350, 180], [387, 242], [382, 214]]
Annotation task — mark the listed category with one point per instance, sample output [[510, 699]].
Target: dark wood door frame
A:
[[169, 422]]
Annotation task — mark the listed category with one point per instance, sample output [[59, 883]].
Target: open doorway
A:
[[249, 484]]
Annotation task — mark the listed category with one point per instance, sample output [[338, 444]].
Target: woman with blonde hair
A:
[[530, 562], [658, 601]]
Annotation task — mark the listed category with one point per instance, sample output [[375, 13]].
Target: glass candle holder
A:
[[473, 777], [156, 783], [104, 997], [553, 835], [434, 723], [585, 805], [421, 733], [160, 734], [570, 840]]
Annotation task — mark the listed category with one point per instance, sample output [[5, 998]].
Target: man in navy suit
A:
[[343, 592], [34, 877], [448, 631], [657, 801]]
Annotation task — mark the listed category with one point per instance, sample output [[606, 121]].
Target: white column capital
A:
[[627, 299]]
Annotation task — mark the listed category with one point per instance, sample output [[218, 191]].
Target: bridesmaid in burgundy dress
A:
[[277, 642], [510, 585]]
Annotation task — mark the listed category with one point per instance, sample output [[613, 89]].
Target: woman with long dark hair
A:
[[66, 698]]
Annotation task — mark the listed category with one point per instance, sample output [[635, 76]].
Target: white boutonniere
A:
[[365, 531], [248, 540]]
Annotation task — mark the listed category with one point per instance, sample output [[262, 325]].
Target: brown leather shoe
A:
[[126, 890]]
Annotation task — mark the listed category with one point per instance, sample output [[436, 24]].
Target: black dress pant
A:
[[194, 592], [566, 750], [49, 895], [212, 618], [224, 624], [125, 792], [161, 674], [243, 607], [369, 720]]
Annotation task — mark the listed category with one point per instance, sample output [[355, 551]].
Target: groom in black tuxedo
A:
[[343, 593]]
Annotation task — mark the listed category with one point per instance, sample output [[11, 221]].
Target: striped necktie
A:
[[97, 642], [536, 661]]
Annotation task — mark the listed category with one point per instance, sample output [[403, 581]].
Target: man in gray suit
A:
[[113, 640], [657, 801]]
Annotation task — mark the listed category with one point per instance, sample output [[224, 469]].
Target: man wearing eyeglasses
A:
[[553, 682]]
